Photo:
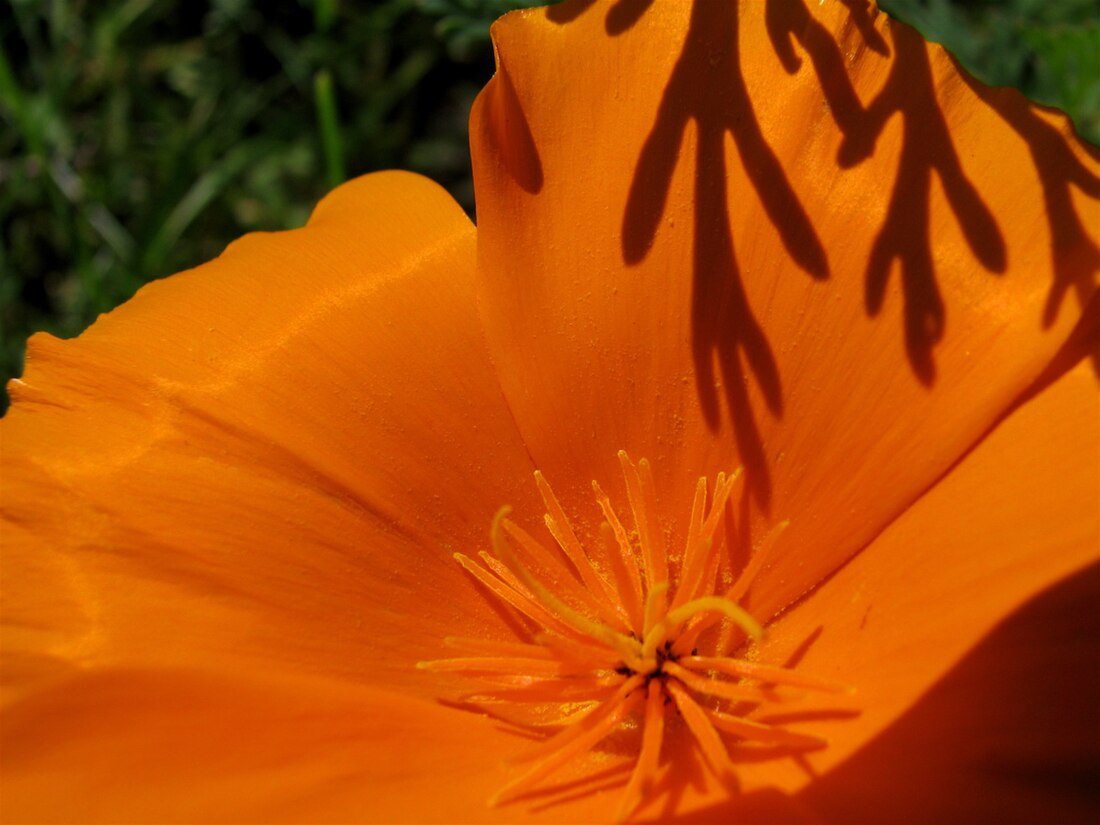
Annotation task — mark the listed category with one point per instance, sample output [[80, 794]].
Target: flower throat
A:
[[620, 630]]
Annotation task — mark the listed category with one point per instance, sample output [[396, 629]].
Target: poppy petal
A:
[[271, 457], [791, 236], [967, 630], [134, 745]]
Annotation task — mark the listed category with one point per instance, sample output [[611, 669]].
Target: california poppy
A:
[[793, 240]]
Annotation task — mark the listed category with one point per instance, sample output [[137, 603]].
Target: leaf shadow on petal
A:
[[707, 90], [862, 14], [905, 235], [620, 17], [723, 324], [568, 11], [725, 328], [1075, 257]]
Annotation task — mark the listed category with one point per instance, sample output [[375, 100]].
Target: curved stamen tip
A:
[[501, 514], [609, 624], [707, 604]]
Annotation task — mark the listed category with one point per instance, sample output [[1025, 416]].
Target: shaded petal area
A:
[[781, 234], [267, 461], [915, 622], [1019, 709], [968, 632]]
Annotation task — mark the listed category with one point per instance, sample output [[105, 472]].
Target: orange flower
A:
[[789, 239]]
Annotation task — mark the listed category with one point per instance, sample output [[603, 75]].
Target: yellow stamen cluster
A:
[[619, 630]]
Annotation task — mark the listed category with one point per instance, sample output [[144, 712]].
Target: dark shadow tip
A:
[[568, 11], [624, 15]]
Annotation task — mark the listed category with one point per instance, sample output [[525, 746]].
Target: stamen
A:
[[722, 489], [763, 673], [734, 594], [737, 591], [505, 593], [708, 604], [627, 578], [573, 741], [756, 732], [654, 604], [624, 644], [645, 768], [564, 720], [613, 622], [705, 583], [641, 522], [723, 690], [693, 552], [698, 574], [756, 563], [537, 717], [562, 531], [501, 569], [499, 664], [564, 647], [607, 608], [628, 563], [539, 691], [548, 746], [649, 497], [710, 743]]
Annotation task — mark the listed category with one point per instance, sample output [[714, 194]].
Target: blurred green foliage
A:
[[1049, 49], [138, 137]]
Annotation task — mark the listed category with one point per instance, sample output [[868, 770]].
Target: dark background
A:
[[139, 137]]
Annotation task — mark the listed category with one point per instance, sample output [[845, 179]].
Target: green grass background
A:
[[139, 137]]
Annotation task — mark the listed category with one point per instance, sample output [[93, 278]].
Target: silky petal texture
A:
[[969, 632], [787, 235], [230, 507], [136, 745], [163, 745], [184, 745], [172, 745], [266, 462]]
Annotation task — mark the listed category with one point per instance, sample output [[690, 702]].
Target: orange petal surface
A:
[[967, 630], [166, 745], [787, 235], [231, 506], [267, 461]]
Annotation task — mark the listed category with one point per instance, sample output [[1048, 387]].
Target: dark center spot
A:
[[665, 653]]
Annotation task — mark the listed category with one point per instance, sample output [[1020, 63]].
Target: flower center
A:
[[616, 633]]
